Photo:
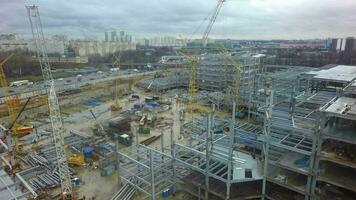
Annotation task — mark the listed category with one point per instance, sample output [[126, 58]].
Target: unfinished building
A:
[[299, 145]]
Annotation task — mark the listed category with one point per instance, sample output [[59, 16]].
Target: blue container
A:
[[152, 104], [88, 151], [240, 115], [76, 181], [166, 193], [137, 106]]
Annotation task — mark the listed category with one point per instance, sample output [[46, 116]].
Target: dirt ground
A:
[[103, 188], [94, 185]]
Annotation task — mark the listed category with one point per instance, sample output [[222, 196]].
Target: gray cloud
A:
[[248, 19]]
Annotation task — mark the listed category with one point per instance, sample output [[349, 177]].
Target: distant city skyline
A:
[[239, 19]]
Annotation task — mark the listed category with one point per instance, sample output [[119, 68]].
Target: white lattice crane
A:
[[55, 116], [212, 21]]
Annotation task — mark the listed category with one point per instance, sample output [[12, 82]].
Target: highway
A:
[[63, 84]]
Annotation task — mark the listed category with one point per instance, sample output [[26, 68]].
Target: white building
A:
[[166, 41], [87, 48], [11, 42], [52, 45]]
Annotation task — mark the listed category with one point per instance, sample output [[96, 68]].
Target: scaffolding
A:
[[292, 149], [206, 167]]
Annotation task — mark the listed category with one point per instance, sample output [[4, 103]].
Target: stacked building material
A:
[[43, 172], [120, 123]]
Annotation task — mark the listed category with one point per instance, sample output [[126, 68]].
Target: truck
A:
[[150, 119], [125, 139], [21, 82], [79, 77]]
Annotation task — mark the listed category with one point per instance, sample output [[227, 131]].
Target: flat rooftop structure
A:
[[343, 106], [339, 73]]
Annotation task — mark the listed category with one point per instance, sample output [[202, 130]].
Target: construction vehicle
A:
[[14, 148], [148, 88], [134, 97], [98, 131], [150, 119], [76, 160], [54, 111], [125, 139], [142, 120], [155, 76], [21, 131], [15, 130]]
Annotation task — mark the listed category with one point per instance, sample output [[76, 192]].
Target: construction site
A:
[[205, 124]]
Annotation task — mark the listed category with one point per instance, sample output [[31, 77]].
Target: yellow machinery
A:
[[13, 104], [237, 74], [76, 160], [15, 129], [116, 105], [193, 62]]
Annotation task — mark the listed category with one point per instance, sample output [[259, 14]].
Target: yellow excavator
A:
[[76, 160]]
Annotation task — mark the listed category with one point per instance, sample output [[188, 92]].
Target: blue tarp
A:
[[92, 102]]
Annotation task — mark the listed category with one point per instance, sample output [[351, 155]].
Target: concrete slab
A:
[[339, 73]]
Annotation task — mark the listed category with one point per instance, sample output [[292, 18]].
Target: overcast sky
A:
[[238, 19]]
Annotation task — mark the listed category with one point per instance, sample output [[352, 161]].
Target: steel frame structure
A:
[[294, 127], [15, 187], [327, 166], [146, 169]]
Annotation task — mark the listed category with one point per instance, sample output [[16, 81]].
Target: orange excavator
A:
[[13, 104]]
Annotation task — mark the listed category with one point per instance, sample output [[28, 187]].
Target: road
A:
[[67, 83]]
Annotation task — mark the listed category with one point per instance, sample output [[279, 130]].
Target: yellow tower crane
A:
[[193, 60], [116, 105], [192, 89], [236, 74]]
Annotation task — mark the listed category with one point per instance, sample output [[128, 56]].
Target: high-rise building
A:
[[334, 44], [328, 43], [106, 37], [349, 50], [345, 49], [113, 36], [122, 36]]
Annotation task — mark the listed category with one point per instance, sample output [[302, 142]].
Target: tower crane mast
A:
[[54, 111]]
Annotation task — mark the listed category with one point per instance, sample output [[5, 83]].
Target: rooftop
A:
[[343, 106], [339, 73]]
